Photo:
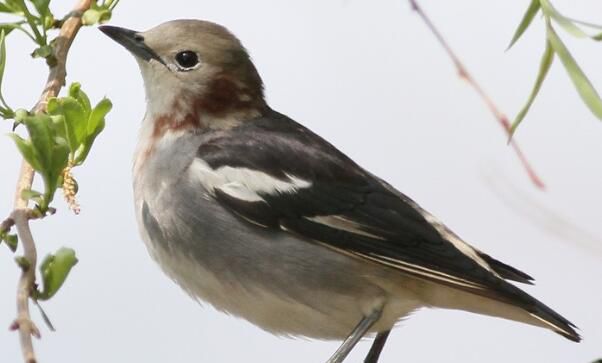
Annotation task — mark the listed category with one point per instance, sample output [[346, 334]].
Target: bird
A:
[[253, 213]]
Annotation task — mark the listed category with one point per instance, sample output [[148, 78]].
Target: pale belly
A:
[[281, 283], [278, 282]]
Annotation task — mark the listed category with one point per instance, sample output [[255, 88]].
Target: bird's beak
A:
[[132, 41]]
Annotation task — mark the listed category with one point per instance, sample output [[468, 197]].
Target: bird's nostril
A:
[[139, 38]]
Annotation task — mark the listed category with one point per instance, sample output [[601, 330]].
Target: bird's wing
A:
[[275, 173]]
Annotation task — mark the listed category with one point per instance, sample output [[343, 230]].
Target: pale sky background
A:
[[369, 77]]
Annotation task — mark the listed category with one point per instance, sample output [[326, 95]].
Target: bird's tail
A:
[[508, 302], [554, 321]]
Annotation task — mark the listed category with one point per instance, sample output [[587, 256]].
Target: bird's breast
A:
[[274, 279]]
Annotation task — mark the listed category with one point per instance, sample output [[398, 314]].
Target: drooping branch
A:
[[464, 74], [21, 215]]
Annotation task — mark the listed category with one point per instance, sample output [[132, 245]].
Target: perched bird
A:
[[255, 214]]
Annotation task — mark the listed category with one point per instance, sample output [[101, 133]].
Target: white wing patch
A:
[[243, 183]]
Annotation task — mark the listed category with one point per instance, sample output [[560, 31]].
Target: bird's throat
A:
[[223, 105]]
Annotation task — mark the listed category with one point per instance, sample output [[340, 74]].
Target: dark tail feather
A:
[[545, 316], [506, 271], [537, 309], [555, 321]]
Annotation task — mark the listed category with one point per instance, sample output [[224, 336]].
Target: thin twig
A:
[[9, 222], [25, 181], [464, 74], [21, 215], [23, 322]]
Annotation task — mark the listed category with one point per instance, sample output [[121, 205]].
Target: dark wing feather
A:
[[387, 227], [506, 271], [281, 148]]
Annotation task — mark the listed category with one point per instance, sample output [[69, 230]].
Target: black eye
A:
[[187, 59]]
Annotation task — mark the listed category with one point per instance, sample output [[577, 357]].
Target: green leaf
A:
[[110, 4], [54, 270], [53, 106], [41, 138], [29, 194], [586, 24], [49, 21], [586, 90], [26, 150], [3, 65], [21, 115], [84, 150], [569, 25], [50, 154], [11, 240], [23, 262], [41, 6], [525, 22], [544, 66], [98, 114], [76, 121], [105, 16], [76, 92], [42, 52], [91, 16], [96, 124], [5, 9], [15, 5], [58, 126], [60, 157], [2, 54], [9, 27]]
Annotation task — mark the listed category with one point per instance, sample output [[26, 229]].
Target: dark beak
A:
[[132, 41]]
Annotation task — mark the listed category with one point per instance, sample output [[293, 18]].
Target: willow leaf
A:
[[584, 87], [544, 66], [525, 22]]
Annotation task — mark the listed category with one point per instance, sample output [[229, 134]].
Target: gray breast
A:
[[281, 283], [270, 277]]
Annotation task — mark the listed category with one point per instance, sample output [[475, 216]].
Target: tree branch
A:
[[464, 74], [21, 215], [23, 322]]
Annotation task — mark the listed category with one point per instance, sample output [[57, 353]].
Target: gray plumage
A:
[[253, 213]]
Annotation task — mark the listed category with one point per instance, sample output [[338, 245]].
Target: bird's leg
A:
[[358, 332], [377, 347]]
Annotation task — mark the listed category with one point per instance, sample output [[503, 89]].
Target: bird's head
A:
[[196, 74]]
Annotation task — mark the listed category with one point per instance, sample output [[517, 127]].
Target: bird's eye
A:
[[187, 59]]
